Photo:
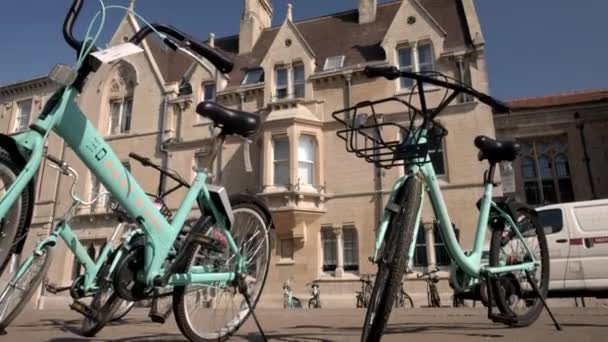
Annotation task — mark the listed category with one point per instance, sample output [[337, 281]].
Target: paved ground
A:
[[427, 325]]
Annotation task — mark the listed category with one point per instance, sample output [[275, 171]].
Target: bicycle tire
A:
[[435, 299], [392, 264], [499, 236], [19, 215], [106, 309], [408, 299], [122, 311], [179, 302], [26, 283]]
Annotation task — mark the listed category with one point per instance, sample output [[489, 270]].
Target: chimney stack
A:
[[257, 16], [367, 11]]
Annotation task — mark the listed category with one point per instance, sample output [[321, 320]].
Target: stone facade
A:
[[565, 146], [325, 202]]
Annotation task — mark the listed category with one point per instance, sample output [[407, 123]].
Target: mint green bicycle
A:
[[518, 271], [216, 279]]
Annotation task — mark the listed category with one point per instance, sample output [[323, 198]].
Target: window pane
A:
[[298, 74], [209, 93], [306, 173], [254, 76], [405, 57], [562, 168], [281, 77], [287, 249], [299, 91], [350, 248], [23, 116], [306, 149], [281, 173], [425, 54], [420, 259], [545, 167], [549, 192], [528, 168], [126, 115], [565, 190], [281, 149], [114, 117], [330, 260], [551, 220], [532, 192]]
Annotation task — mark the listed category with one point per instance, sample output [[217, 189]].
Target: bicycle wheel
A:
[[105, 303], [213, 312], [407, 299], [13, 228], [435, 299], [20, 289], [392, 264], [512, 293]]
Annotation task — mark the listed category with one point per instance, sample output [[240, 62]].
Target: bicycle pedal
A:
[[54, 289], [160, 319]]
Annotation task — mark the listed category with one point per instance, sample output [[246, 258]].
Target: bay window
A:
[[306, 160], [280, 161]]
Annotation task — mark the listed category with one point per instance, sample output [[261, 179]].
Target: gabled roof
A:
[[358, 43], [565, 99]]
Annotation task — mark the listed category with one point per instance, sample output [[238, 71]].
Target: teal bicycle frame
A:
[[470, 263], [68, 121]]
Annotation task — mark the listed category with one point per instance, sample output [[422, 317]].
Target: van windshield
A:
[[551, 220]]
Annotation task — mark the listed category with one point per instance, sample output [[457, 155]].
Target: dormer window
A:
[[415, 58], [334, 63], [254, 76], [290, 82]]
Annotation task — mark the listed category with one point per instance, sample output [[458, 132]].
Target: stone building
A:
[[565, 146], [325, 202]]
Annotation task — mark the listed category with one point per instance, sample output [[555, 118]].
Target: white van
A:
[[577, 234]]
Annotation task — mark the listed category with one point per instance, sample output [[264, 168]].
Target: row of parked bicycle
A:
[[402, 300], [215, 270]]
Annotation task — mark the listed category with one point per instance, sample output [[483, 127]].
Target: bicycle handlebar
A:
[[391, 72], [221, 62], [146, 162]]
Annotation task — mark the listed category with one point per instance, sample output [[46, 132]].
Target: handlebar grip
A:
[[498, 106], [223, 63], [143, 160], [389, 72]]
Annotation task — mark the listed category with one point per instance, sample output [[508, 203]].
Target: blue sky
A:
[[534, 47]]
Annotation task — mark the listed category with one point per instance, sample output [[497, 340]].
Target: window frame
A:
[[295, 84], [311, 163], [351, 267], [332, 241], [18, 126], [249, 73], [283, 87], [340, 64], [125, 122], [287, 161], [406, 84]]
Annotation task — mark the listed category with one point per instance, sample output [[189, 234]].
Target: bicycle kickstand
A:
[[537, 292], [243, 290]]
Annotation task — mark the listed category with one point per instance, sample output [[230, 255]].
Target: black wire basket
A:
[[366, 135]]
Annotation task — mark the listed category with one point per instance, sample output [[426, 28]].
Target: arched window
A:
[[122, 84], [545, 170]]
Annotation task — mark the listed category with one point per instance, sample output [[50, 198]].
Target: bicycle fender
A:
[[254, 200]]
